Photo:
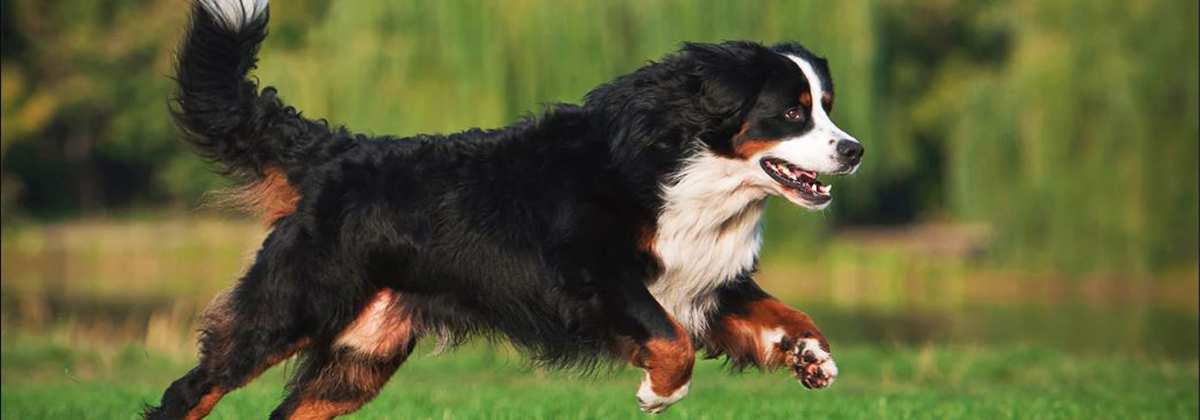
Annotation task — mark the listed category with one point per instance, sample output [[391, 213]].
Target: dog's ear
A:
[[731, 75]]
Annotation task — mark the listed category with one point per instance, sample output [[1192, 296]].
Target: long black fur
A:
[[228, 120], [529, 233]]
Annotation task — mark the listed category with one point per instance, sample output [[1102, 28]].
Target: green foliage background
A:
[[1067, 127]]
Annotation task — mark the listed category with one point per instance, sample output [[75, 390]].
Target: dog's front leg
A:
[[755, 329], [660, 347]]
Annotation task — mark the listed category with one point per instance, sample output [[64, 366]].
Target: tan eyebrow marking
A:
[[806, 99]]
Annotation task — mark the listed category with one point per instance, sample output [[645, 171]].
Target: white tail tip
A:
[[234, 14]]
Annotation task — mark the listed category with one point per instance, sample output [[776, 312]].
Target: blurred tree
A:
[[82, 131], [1069, 127], [1080, 147]]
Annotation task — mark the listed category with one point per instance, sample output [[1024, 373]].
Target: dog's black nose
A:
[[850, 150]]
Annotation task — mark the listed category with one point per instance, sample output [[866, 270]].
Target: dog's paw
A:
[[652, 403], [811, 365]]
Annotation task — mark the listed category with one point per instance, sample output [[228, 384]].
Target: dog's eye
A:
[[793, 115]]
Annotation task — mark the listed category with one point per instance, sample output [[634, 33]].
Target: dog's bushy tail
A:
[[248, 133]]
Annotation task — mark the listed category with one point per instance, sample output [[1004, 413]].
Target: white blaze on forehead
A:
[[816, 85], [815, 149]]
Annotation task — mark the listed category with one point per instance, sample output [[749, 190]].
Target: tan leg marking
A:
[[368, 352], [323, 410], [756, 336], [216, 344], [381, 329], [668, 365], [210, 400], [772, 335], [206, 404]]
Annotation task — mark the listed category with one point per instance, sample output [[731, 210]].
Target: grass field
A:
[[44, 380], [97, 319]]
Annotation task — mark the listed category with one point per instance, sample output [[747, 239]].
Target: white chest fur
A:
[[708, 233]]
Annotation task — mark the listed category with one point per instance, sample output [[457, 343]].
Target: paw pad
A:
[[813, 367]]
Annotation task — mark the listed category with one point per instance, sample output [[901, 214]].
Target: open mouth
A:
[[796, 180]]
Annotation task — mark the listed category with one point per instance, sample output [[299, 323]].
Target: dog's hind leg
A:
[[244, 332], [195, 394], [342, 377], [231, 355]]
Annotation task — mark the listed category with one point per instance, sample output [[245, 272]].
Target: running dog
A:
[[622, 230]]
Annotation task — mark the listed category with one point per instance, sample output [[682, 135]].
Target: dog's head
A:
[[768, 109]]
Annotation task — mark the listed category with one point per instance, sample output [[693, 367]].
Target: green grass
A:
[[74, 295], [42, 379]]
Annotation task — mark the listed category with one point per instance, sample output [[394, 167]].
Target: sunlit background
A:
[[1025, 223]]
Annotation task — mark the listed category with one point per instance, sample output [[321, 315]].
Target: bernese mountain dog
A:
[[622, 230]]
